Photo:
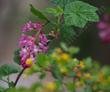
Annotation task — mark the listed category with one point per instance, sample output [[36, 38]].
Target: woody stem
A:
[[18, 77]]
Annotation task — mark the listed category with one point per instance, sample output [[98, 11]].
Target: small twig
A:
[[18, 77], [46, 23], [4, 80]]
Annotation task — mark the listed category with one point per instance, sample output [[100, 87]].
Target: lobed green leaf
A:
[[8, 69], [79, 13]]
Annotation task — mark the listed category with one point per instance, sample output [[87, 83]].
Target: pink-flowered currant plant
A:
[[64, 17]]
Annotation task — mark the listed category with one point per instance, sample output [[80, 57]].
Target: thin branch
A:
[[4, 80], [18, 77]]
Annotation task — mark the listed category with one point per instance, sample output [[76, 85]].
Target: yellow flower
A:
[[79, 83], [101, 77], [64, 70], [65, 57], [54, 55], [87, 75], [58, 50], [29, 62], [51, 86], [81, 65]]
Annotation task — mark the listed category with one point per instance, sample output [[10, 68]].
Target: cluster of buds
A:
[[31, 45]]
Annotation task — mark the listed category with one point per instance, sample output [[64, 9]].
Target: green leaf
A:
[[56, 1], [42, 75], [74, 19], [62, 3], [21, 89], [55, 11], [88, 63], [56, 73], [64, 47], [36, 86], [72, 74], [2, 89], [71, 86], [37, 13], [74, 50], [17, 56], [11, 84], [42, 60], [73, 63], [90, 16], [88, 89], [8, 69], [67, 34], [78, 13], [11, 90], [106, 70]]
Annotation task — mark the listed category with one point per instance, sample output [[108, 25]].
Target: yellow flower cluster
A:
[[50, 86], [60, 56]]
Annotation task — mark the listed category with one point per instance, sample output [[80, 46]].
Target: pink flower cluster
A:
[[31, 45], [104, 28], [31, 26], [28, 49]]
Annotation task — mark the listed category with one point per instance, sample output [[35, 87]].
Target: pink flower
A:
[[43, 39], [31, 26], [29, 48], [27, 41], [104, 28], [105, 36], [37, 26], [43, 43], [25, 54], [27, 27], [102, 25], [43, 48]]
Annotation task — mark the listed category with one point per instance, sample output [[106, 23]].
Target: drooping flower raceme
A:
[[30, 46], [104, 28]]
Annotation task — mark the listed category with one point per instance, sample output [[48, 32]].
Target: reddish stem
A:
[[18, 77]]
